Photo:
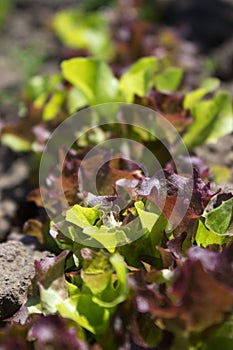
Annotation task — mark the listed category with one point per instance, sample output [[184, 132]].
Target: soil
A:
[[27, 30], [16, 271]]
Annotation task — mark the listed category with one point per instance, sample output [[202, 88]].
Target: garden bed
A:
[[70, 262]]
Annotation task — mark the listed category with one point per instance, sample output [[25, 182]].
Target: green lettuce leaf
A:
[[212, 119], [147, 218], [208, 85], [15, 142], [89, 31], [205, 237], [81, 216], [93, 77], [117, 292], [218, 220], [76, 100], [139, 79], [49, 285], [54, 105], [102, 290], [169, 79], [109, 238], [89, 315]]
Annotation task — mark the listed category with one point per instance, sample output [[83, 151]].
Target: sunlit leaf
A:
[[147, 218], [53, 107], [169, 79], [138, 80], [109, 238], [205, 237], [193, 97], [82, 217], [15, 142], [219, 219], [80, 30], [93, 77]]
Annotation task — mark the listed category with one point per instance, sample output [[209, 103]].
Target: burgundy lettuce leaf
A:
[[42, 133], [202, 194], [183, 163], [131, 35], [175, 245], [222, 197], [168, 188], [198, 298], [168, 259], [42, 332], [170, 185], [219, 264], [134, 37], [192, 303], [63, 188], [133, 330], [170, 106], [184, 197], [49, 273], [113, 170], [104, 202], [53, 332], [14, 337]]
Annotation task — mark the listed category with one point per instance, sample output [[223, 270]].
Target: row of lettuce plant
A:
[[201, 116]]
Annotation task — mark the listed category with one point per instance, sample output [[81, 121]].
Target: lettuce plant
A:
[[162, 289]]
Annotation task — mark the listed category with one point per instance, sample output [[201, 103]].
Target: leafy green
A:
[[223, 123], [85, 312], [193, 97], [210, 84], [114, 294], [92, 306], [93, 77], [46, 92], [148, 219], [80, 30], [53, 107], [146, 282], [212, 119], [218, 220], [82, 217], [76, 100], [49, 287], [97, 272], [138, 80], [110, 238], [223, 337], [39, 86], [169, 79], [205, 237], [15, 142]]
